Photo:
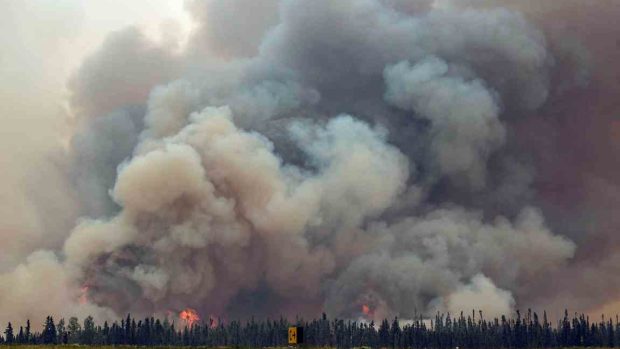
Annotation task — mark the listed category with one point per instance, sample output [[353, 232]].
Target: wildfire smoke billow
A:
[[359, 157]]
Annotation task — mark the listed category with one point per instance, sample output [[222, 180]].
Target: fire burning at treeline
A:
[[189, 316], [374, 158], [366, 310], [83, 299]]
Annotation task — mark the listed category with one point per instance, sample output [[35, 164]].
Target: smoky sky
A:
[[301, 157]]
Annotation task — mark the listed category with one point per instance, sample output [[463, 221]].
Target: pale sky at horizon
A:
[[73, 29]]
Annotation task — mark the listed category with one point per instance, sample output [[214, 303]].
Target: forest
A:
[[443, 331]]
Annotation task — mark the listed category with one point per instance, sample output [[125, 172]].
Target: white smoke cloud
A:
[[330, 154], [415, 260], [463, 114], [220, 33], [21, 290], [209, 208], [480, 295]]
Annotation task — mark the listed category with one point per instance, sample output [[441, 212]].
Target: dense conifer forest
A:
[[444, 331]]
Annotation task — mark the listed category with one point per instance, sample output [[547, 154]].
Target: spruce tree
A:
[[395, 333], [49, 331], [75, 330], [384, 333], [28, 334], [61, 333], [106, 333], [128, 329], [8, 334], [20, 336], [88, 331]]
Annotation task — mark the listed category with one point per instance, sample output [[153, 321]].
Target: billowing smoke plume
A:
[[404, 157]]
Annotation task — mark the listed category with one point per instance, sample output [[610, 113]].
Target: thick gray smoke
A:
[[309, 156]]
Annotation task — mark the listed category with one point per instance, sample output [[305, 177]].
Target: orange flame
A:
[[190, 316], [213, 321], [365, 309], [84, 294]]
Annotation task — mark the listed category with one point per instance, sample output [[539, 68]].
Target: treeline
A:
[[443, 331]]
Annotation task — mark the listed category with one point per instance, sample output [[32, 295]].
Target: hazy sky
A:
[[43, 43], [458, 103]]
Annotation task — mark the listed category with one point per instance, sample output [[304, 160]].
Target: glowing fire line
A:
[[190, 316], [83, 299]]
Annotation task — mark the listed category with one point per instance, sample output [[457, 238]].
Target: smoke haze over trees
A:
[[309, 157]]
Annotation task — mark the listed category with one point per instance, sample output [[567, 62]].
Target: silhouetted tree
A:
[[8, 334], [445, 332], [27, 334], [384, 333], [74, 331], [49, 331], [61, 332], [88, 331], [395, 333]]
